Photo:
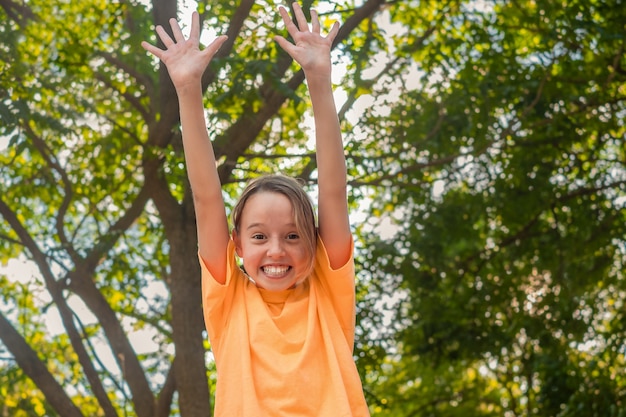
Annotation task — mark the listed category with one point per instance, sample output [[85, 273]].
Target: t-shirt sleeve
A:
[[217, 298], [339, 285]]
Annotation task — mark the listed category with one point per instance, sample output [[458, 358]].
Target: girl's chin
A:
[[275, 284]]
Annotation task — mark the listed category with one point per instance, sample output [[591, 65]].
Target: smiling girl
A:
[[282, 332]]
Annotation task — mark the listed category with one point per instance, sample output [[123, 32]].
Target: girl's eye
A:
[[292, 236], [258, 236]]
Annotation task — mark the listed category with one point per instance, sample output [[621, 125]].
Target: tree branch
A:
[[64, 311], [36, 370], [80, 282], [18, 12], [164, 401], [45, 153]]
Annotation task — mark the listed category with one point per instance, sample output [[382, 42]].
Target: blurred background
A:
[[486, 151]]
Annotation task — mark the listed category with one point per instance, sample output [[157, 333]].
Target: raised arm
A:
[[185, 63], [312, 51]]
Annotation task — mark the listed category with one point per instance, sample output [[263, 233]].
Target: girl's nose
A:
[[275, 248]]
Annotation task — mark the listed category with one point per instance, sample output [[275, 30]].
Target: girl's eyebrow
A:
[[259, 224]]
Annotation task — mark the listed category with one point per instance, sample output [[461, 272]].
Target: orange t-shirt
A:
[[284, 353]]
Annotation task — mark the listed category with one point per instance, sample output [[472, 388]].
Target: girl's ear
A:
[[237, 239]]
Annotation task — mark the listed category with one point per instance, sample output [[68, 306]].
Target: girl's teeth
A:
[[275, 270]]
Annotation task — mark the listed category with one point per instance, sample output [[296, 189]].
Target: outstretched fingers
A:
[[289, 25], [178, 34], [194, 33], [334, 30], [164, 36], [152, 49], [315, 21], [184, 58], [303, 25], [214, 46]]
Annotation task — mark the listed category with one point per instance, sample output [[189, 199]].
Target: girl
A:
[[282, 333]]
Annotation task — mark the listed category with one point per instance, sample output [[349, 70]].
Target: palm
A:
[[311, 51], [184, 61]]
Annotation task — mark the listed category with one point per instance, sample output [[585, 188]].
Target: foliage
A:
[[487, 165], [507, 186]]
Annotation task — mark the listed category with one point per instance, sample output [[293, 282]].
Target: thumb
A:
[[215, 46]]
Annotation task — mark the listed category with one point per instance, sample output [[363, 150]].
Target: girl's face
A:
[[274, 255]]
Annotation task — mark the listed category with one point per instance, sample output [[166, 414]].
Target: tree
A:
[[95, 193], [485, 144], [508, 189]]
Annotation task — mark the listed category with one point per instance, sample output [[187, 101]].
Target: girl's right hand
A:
[[184, 59]]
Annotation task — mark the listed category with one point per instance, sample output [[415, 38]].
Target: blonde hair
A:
[[303, 212]]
